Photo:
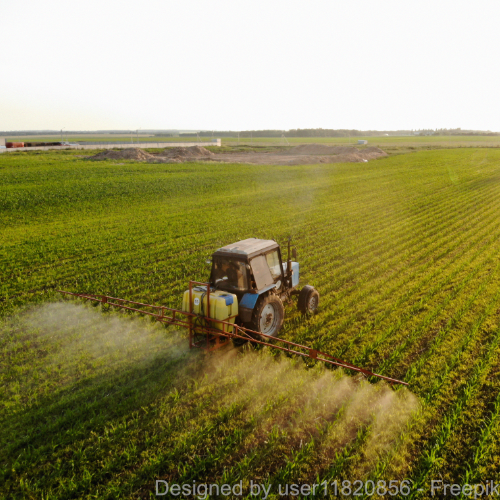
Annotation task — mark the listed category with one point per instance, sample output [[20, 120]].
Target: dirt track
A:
[[298, 155]]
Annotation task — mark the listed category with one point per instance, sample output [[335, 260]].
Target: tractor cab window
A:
[[273, 261], [229, 274], [261, 272]]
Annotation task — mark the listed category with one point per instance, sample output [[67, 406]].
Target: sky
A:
[[227, 65]]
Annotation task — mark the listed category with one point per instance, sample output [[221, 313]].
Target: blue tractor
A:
[[254, 272]]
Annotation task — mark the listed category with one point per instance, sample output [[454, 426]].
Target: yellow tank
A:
[[223, 306]]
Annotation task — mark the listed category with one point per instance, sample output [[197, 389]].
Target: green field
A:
[[393, 144], [403, 250], [126, 138]]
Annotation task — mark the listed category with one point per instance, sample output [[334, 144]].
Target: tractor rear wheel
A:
[[268, 315], [308, 300]]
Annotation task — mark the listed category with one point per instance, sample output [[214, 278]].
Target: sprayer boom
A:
[[203, 334]]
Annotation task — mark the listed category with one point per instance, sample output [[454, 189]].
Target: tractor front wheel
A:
[[268, 315], [308, 300]]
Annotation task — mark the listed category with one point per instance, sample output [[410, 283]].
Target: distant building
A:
[[361, 141]]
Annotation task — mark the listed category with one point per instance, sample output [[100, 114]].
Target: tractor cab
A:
[[249, 266]]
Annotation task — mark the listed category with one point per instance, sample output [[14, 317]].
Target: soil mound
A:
[[168, 155], [373, 149], [312, 149], [190, 152], [337, 153], [313, 159], [320, 149], [299, 155], [323, 149], [123, 154]]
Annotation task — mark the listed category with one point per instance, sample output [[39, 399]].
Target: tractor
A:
[[253, 272]]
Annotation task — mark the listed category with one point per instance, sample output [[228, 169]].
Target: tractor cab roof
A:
[[247, 249]]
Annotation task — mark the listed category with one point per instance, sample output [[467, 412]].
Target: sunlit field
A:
[[392, 145], [131, 138], [403, 250], [401, 143]]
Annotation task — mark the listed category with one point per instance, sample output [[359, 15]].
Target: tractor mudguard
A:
[[248, 301]]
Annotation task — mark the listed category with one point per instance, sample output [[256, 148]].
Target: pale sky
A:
[[232, 65]]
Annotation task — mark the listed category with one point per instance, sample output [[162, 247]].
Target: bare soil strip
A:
[[298, 155]]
